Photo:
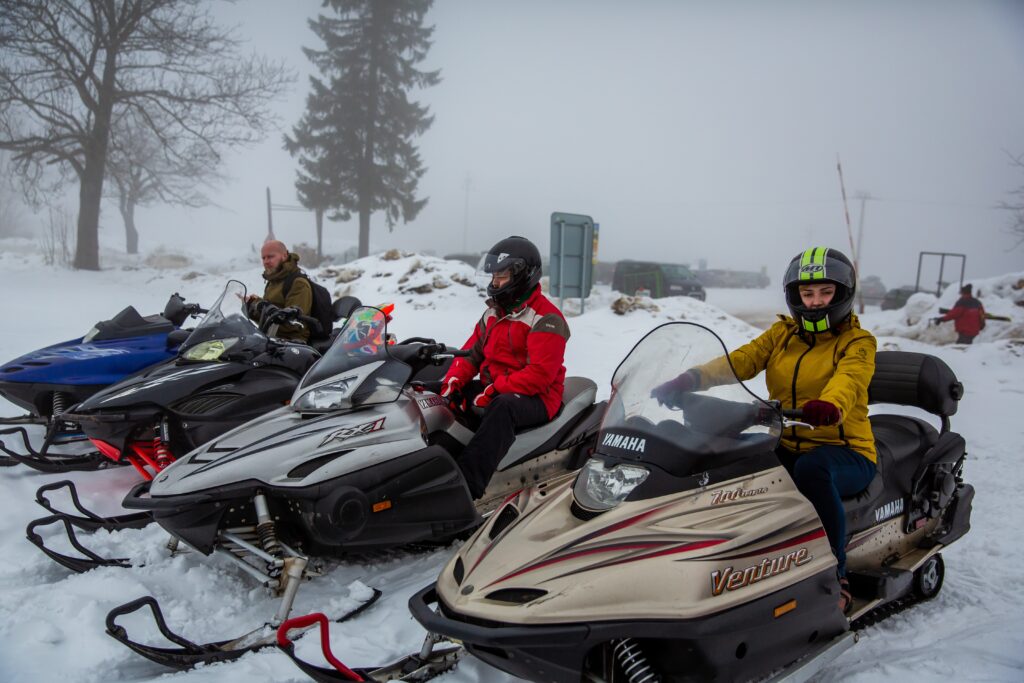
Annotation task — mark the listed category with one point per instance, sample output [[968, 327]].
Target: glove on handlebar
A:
[[451, 387], [821, 413], [670, 393]]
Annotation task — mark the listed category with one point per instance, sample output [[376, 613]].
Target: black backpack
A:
[[322, 309]]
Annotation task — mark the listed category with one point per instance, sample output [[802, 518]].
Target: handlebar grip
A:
[[460, 353], [795, 413]]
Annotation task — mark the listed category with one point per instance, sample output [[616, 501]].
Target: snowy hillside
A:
[[52, 621]]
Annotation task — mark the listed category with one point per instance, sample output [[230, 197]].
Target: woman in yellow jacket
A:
[[821, 361]]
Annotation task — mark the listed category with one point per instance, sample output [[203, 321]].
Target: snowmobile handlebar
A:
[[794, 417], [271, 314]]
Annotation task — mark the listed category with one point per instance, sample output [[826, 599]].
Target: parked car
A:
[[656, 280], [897, 298], [872, 289]]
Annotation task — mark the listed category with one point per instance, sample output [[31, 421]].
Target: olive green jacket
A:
[[300, 295], [834, 367]]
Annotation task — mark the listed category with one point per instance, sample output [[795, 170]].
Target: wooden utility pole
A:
[[270, 219]]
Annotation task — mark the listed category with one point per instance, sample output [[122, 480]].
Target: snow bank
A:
[[1001, 296]]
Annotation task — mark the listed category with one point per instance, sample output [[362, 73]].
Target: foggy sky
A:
[[687, 130]]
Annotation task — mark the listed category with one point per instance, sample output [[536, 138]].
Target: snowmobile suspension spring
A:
[[633, 662], [163, 454], [265, 526], [60, 403]]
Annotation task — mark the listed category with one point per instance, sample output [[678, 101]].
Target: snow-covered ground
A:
[[52, 621]]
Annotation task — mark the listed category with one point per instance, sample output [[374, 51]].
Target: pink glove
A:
[[484, 398], [821, 413]]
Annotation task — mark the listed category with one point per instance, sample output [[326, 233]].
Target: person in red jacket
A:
[[968, 316], [518, 349]]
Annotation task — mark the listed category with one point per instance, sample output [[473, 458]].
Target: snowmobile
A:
[[228, 371], [683, 551], [363, 457], [47, 381]]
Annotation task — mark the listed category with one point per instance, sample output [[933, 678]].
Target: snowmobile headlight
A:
[[210, 350], [326, 397], [599, 488]]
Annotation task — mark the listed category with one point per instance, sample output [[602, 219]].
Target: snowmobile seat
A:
[[579, 394], [901, 441], [128, 323]]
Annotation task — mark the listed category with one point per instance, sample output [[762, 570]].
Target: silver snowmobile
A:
[[364, 457], [683, 551]]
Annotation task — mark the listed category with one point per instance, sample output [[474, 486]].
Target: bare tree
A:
[[68, 68], [146, 170], [10, 209], [1016, 204]]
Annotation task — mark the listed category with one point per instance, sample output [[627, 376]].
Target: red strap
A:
[[325, 640]]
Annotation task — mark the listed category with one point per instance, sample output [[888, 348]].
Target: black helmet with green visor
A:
[[819, 265]]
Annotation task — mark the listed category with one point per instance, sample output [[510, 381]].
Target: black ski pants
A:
[[496, 433]]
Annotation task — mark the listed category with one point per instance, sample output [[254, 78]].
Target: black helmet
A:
[[521, 258], [814, 266]]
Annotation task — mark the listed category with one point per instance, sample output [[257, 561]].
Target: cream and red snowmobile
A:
[[682, 550]]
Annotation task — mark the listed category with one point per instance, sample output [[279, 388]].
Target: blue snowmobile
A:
[[49, 380]]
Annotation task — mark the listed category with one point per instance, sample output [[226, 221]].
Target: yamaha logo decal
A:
[[626, 443]]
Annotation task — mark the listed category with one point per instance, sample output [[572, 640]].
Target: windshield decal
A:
[[627, 443]]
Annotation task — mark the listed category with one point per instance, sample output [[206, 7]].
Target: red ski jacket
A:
[[968, 315], [521, 352]]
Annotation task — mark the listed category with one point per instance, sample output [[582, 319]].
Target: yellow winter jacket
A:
[[829, 367]]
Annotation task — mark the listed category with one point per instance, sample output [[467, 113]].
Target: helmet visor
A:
[[497, 263]]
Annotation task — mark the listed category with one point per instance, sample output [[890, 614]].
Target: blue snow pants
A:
[[826, 475]]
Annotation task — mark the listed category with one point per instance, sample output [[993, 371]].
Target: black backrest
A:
[[915, 379]]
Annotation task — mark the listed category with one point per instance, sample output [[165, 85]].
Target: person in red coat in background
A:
[[968, 316], [518, 349]]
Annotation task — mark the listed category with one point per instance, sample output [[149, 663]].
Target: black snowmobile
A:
[[49, 380], [364, 457], [228, 371], [682, 550]]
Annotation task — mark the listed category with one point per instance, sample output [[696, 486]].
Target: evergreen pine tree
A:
[[355, 141]]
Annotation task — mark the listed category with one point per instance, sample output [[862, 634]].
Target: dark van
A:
[[656, 280]]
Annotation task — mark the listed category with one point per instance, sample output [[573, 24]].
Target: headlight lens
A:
[[210, 350], [326, 397], [598, 488]]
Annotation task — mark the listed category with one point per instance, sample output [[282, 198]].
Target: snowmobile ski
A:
[[190, 654], [424, 665], [86, 521], [76, 564], [89, 520], [45, 461]]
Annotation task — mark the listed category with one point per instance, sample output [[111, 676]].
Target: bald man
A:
[[286, 286]]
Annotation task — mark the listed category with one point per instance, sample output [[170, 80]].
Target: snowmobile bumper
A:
[[737, 644]]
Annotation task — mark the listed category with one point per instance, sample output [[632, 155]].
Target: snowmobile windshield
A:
[[713, 420], [225, 330], [357, 370]]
